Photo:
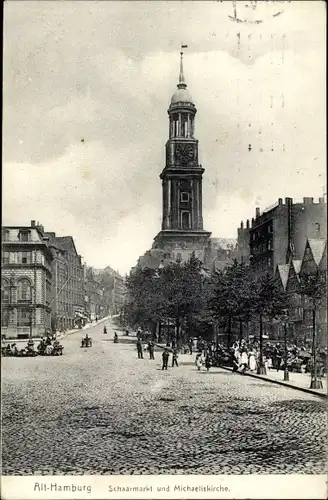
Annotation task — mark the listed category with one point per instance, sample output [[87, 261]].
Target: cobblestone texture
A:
[[103, 411]]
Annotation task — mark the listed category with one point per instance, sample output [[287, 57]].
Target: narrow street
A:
[[103, 411]]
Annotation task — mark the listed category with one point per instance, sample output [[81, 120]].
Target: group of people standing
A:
[[151, 349]]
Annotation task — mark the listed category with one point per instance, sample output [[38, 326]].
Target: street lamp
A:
[[316, 382], [286, 372]]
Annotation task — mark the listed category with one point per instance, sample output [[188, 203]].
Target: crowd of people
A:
[[241, 355]]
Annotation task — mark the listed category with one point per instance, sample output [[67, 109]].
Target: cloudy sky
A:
[[86, 91]]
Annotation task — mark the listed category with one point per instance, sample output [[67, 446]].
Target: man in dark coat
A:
[[139, 348], [165, 357], [151, 350], [175, 358]]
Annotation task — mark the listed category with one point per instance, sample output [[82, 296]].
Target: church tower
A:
[[182, 224]]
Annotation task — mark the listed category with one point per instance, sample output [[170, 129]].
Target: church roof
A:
[[181, 94]]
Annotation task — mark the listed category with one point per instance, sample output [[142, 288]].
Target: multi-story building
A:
[[281, 231], [67, 302], [314, 263], [25, 282]]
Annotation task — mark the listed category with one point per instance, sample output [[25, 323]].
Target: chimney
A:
[[289, 201], [321, 200], [279, 201], [257, 212], [253, 221], [32, 223], [247, 224], [242, 225], [307, 201]]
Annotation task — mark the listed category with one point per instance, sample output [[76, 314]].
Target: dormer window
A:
[[24, 235]]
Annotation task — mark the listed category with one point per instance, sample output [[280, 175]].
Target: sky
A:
[[86, 90]]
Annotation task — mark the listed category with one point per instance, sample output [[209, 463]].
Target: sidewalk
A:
[[299, 381], [86, 327]]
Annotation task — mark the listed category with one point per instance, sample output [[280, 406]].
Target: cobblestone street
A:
[[103, 411]]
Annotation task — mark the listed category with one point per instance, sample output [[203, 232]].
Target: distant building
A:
[[280, 233], [67, 303], [220, 253], [242, 252], [25, 282], [105, 292]]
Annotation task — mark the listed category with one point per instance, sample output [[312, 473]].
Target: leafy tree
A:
[[231, 296], [314, 287], [267, 301]]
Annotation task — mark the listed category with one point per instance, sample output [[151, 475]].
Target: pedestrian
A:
[[190, 346], [208, 362], [151, 350], [243, 360], [199, 361], [139, 348], [173, 344], [165, 357], [175, 358]]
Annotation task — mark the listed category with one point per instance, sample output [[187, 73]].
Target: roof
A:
[[181, 95], [283, 271], [297, 266], [224, 243], [317, 248]]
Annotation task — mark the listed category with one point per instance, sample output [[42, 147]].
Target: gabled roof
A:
[[283, 272], [317, 248], [297, 265]]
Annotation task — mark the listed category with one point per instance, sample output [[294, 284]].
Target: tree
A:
[[267, 301], [314, 287], [231, 297]]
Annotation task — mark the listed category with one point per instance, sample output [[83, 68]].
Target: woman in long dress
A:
[[252, 361]]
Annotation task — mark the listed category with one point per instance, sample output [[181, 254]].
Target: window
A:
[[185, 220], [24, 236], [184, 197], [5, 291], [24, 290], [4, 317], [24, 257], [24, 317], [5, 235], [5, 258]]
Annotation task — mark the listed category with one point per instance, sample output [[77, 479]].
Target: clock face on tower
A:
[[184, 153]]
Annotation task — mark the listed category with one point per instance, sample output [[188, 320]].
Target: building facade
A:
[[182, 219], [67, 287], [280, 233], [25, 282]]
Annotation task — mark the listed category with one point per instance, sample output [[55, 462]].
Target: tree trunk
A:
[[229, 331], [261, 367], [159, 339], [240, 330], [177, 326]]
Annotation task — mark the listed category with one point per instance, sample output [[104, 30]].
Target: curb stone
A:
[[279, 382]]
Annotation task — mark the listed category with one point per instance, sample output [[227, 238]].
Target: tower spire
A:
[[182, 83]]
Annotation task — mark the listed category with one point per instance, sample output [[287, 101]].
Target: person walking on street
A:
[[151, 350], [175, 358], [190, 346], [165, 357], [208, 361], [139, 348]]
